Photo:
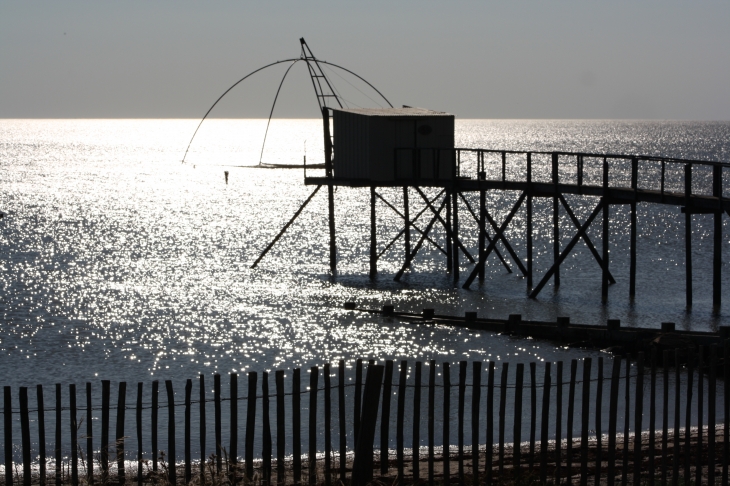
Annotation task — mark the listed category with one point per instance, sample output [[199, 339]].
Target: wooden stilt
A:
[[411, 224], [331, 212], [632, 269], [373, 236], [455, 232], [407, 227], [688, 234], [556, 222], [717, 233], [528, 229], [482, 227], [604, 237], [447, 227]]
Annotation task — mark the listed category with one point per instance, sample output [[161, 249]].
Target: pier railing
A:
[[656, 417]]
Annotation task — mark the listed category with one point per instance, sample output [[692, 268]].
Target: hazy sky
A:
[[488, 59]]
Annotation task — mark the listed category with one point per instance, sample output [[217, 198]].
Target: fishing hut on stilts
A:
[[412, 149]]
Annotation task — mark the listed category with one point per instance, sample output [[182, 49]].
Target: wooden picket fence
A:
[[553, 447]]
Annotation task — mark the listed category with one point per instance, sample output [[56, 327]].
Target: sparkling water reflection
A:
[[119, 262]]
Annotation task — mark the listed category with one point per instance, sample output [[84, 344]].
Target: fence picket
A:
[[476, 394], [218, 426], [140, 387], [446, 453], [460, 418], [416, 442], [119, 438], [203, 428], [327, 425], [585, 402], [490, 422], [711, 417], [233, 421], [280, 432], [612, 419], [400, 439], [431, 419], [266, 442], [385, 417], [171, 453], [250, 422], [188, 433], [153, 427], [343, 423], [544, 422], [296, 408], [627, 418], [571, 410], [688, 419], [312, 450], [700, 410], [599, 436], [558, 421], [502, 415], [42, 434], [25, 433], [652, 418], [517, 434], [8, 426], [74, 441]]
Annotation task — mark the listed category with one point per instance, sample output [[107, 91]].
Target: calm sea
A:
[[119, 262]]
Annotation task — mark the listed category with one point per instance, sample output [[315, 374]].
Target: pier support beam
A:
[[455, 232], [632, 264], [482, 227], [604, 199], [407, 217], [447, 228], [373, 236], [333, 243], [688, 233], [528, 229], [556, 221], [717, 234]]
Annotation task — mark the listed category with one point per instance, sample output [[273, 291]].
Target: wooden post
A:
[[711, 416], [203, 428], [407, 227], [632, 264], [533, 414], [362, 465], [613, 419], [517, 431], [385, 417], [446, 441], [544, 422], [665, 416], [489, 446], [59, 444], [700, 411], [558, 420], [171, 455], [233, 447], [677, 416], [105, 401], [25, 436], [556, 221], [8, 425], [449, 249], [460, 419], [373, 236], [358, 398], [726, 413], [638, 416], [502, 415], [571, 408], [627, 419], [266, 448], [42, 434], [119, 438], [652, 418], [455, 232], [188, 432], [528, 227], [482, 228], [312, 449], [431, 416], [218, 426], [585, 404], [296, 408], [605, 235], [140, 447], [688, 233], [327, 425], [250, 422], [416, 442], [476, 394], [717, 247], [341, 415], [333, 242], [688, 420], [153, 426], [598, 428], [280, 429], [401, 419]]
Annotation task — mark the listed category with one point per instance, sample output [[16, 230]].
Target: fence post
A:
[[385, 417], [362, 467], [280, 432], [613, 419], [74, 439], [119, 439], [599, 435], [358, 398], [327, 425], [266, 442], [652, 417], [296, 409], [517, 434], [502, 415], [8, 422], [233, 424], [312, 449], [140, 386], [489, 446], [105, 401], [476, 394], [188, 398], [431, 415], [461, 404], [400, 419], [584, 421], [533, 414], [203, 428], [341, 416], [544, 422], [25, 434], [153, 437], [42, 434], [218, 426], [416, 442], [571, 409], [171, 455], [711, 404], [250, 422], [688, 420], [558, 421]]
